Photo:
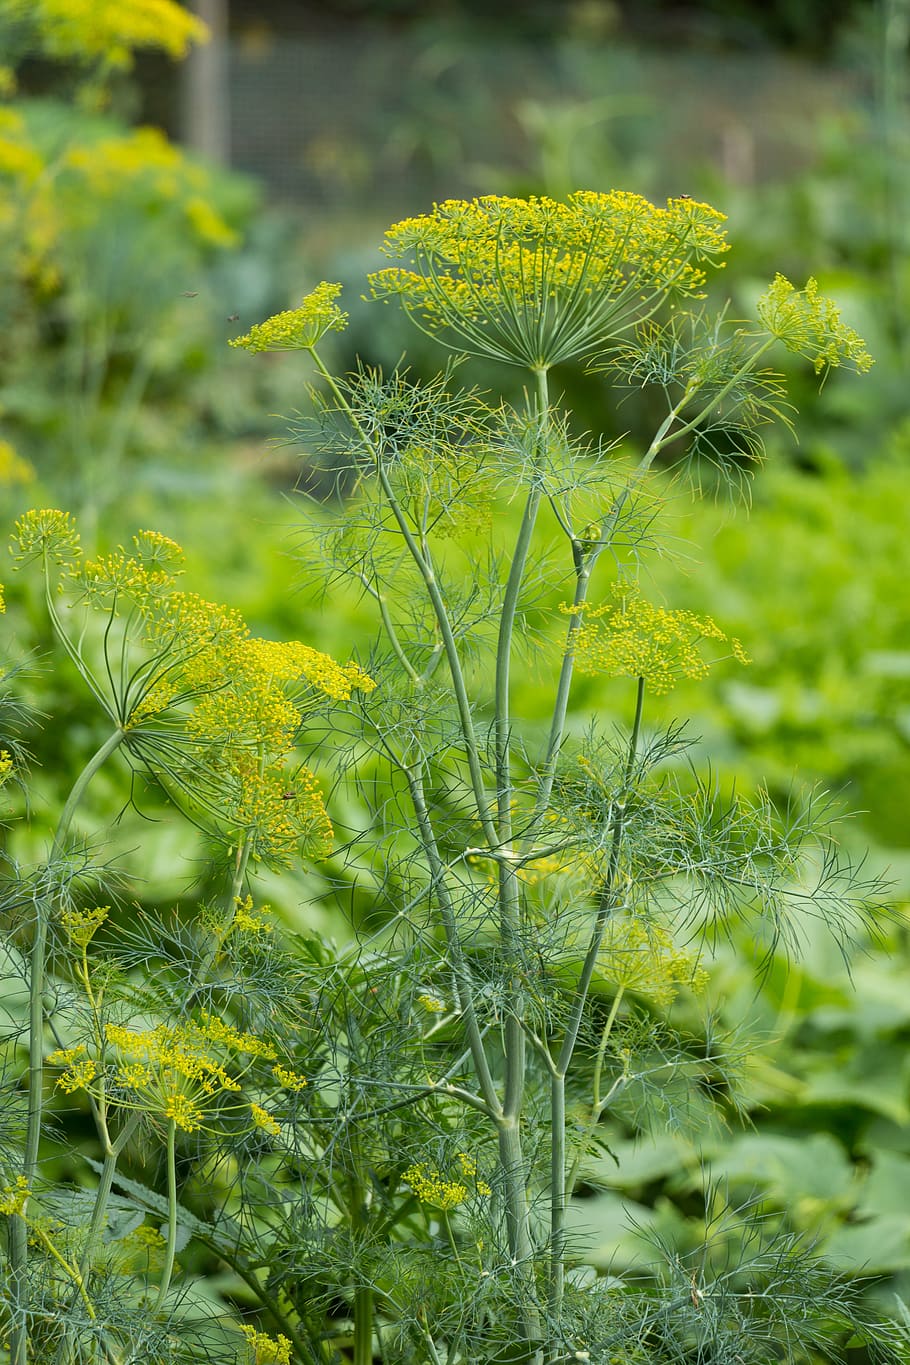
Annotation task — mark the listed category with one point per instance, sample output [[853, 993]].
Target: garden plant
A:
[[289, 1149]]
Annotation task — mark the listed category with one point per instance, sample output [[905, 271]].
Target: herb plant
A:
[[385, 1142]]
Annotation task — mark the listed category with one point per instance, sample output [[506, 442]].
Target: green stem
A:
[[102, 1193], [447, 1224], [460, 972], [364, 1304], [171, 1250], [510, 1139], [389, 626], [561, 704], [598, 1105], [18, 1231], [425, 567], [605, 907]]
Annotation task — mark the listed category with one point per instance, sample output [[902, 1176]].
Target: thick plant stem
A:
[[18, 1230], [605, 907], [171, 1248], [511, 1156], [363, 1326]]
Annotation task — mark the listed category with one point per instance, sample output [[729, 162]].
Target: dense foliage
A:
[[220, 1043]]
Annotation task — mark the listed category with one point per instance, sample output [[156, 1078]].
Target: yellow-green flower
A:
[[45, 532], [13, 1198], [264, 1120], [442, 1192], [267, 1350], [13, 468], [810, 324], [631, 638], [80, 1070], [291, 1080], [109, 31], [537, 281], [298, 329], [643, 958], [204, 703], [82, 925]]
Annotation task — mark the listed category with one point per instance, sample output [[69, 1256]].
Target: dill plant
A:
[[377, 1144], [555, 892]]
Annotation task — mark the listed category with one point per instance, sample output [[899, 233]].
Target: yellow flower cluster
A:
[[288, 1078], [298, 329], [263, 1119], [268, 1350], [240, 701], [6, 758], [13, 1198], [143, 162], [810, 324], [45, 533], [176, 1067], [537, 281], [469, 1170], [80, 1071], [293, 662], [431, 1003], [246, 921], [643, 958], [82, 925], [109, 30], [19, 160], [631, 638], [432, 1187]]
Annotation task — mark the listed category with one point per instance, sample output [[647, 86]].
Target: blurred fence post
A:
[[206, 110]]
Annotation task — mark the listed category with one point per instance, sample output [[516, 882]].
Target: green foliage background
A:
[[812, 577]]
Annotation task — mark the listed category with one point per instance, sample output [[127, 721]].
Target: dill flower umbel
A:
[[212, 710], [643, 958], [536, 281], [809, 324], [631, 638], [110, 30], [13, 1198], [431, 1186], [82, 925], [80, 1069], [298, 329], [267, 1350]]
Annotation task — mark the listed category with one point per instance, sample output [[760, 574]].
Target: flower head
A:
[[643, 958], [110, 30], [267, 1350], [298, 329], [536, 281], [443, 1192], [810, 324], [631, 638], [204, 703], [13, 1198], [45, 532], [82, 925]]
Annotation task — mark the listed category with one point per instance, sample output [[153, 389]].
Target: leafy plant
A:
[[388, 1143]]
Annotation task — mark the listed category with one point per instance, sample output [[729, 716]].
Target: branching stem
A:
[[605, 907], [18, 1230]]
